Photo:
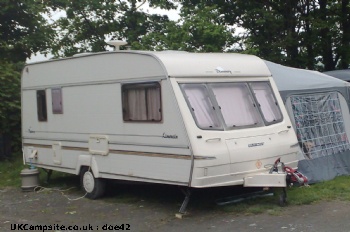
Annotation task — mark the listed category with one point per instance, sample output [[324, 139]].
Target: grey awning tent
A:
[[343, 74], [318, 106]]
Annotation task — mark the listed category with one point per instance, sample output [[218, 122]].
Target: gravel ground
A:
[[58, 211]]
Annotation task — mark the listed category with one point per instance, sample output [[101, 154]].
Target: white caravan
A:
[[189, 119]]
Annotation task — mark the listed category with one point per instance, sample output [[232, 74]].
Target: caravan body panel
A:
[[91, 130]]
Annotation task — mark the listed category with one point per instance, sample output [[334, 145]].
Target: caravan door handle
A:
[[213, 140]]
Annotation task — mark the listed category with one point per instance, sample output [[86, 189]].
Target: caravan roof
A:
[[206, 64], [181, 64]]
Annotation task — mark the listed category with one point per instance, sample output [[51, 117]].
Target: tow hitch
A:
[[292, 177]]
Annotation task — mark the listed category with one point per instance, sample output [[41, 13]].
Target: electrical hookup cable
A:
[[40, 189]]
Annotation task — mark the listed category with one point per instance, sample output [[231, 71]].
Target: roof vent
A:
[[116, 44]]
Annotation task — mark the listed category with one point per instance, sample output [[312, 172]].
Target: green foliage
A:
[[10, 171], [291, 32], [205, 30], [89, 23], [23, 29], [336, 189], [10, 102], [23, 32], [200, 29]]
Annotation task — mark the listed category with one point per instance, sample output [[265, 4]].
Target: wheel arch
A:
[[87, 161]]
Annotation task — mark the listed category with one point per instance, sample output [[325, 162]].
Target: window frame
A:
[[141, 85]]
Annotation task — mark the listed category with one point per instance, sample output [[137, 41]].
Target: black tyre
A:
[[93, 187]]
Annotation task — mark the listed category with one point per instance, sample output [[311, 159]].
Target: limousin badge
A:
[[256, 144]]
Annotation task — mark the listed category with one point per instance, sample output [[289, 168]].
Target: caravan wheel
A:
[[94, 187]]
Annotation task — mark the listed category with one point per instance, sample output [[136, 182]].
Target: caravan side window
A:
[[57, 107], [41, 105], [267, 102], [142, 102]]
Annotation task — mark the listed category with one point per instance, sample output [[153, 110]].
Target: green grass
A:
[[171, 196], [336, 189], [10, 171]]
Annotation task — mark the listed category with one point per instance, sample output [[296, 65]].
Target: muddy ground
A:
[[153, 208]]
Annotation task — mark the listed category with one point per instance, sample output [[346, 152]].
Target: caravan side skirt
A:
[[122, 165]]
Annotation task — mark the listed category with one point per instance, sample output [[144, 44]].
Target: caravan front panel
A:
[[238, 127]]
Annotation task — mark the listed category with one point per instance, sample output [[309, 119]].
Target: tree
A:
[[10, 102], [200, 29], [344, 48], [23, 29], [89, 23], [23, 32], [298, 33], [205, 29]]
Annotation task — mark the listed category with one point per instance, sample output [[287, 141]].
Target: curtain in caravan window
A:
[[200, 105], [236, 104], [153, 104], [267, 101], [141, 102], [137, 104]]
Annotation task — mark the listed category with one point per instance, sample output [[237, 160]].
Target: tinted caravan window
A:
[[142, 102], [41, 105]]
